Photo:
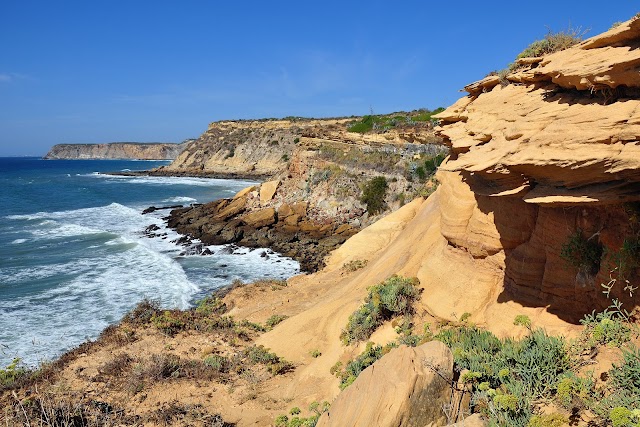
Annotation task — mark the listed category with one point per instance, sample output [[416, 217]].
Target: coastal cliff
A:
[[535, 215], [263, 148], [318, 175], [116, 150]]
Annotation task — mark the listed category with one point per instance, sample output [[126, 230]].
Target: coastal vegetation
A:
[[382, 122], [391, 298]]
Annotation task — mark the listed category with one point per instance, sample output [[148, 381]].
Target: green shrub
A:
[[522, 320], [284, 158], [253, 326], [624, 417], [12, 374], [549, 420], [584, 254], [217, 363], [608, 327], [210, 305], [432, 163], [507, 375], [407, 337], [626, 376], [275, 364], [354, 265], [168, 322], [296, 421], [425, 115], [275, 320], [373, 194], [393, 297], [624, 262], [354, 367], [553, 42], [364, 125]]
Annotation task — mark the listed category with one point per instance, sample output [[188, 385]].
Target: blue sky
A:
[[138, 70]]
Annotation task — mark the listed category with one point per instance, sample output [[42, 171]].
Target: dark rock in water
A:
[[263, 254], [183, 240], [196, 249], [227, 250], [151, 228], [223, 265], [153, 208]]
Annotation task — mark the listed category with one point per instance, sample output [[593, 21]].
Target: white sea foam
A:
[[98, 294], [180, 199], [116, 266], [170, 180], [18, 241]]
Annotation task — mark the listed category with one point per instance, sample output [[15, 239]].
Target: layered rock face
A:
[[547, 160], [116, 150], [262, 148], [244, 148]]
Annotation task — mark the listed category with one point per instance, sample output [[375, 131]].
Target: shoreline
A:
[[191, 174]]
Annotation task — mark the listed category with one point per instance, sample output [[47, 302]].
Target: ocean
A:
[[74, 257]]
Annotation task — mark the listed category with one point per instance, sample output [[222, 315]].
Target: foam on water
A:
[[163, 180], [113, 266], [180, 199]]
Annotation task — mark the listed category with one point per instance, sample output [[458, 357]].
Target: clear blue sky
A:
[[137, 70]]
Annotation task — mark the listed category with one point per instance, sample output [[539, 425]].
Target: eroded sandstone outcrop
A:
[[553, 153], [407, 387]]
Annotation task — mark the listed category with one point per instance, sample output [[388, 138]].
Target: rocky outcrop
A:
[[407, 387], [552, 155], [116, 150], [253, 219]]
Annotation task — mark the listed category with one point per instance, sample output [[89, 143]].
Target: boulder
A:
[[244, 192], [234, 208], [474, 420], [285, 210], [292, 219], [300, 208], [407, 387], [260, 218], [267, 191]]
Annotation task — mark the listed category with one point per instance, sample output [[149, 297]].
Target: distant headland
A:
[[117, 150]]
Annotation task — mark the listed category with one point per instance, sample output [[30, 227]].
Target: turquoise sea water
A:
[[74, 258]]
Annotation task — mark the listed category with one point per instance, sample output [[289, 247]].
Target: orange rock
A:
[[406, 387], [260, 218]]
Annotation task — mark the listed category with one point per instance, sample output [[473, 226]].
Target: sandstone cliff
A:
[[546, 160], [116, 150]]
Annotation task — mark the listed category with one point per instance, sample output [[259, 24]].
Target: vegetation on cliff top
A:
[[380, 123]]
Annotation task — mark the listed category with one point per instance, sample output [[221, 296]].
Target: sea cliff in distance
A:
[[117, 150]]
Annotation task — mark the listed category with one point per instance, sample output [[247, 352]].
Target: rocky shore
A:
[[286, 229]]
